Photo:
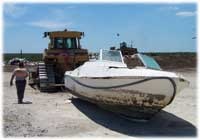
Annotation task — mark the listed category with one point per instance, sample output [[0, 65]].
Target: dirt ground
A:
[[59, 115]]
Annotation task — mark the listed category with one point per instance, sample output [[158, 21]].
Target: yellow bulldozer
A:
[[64, 53]]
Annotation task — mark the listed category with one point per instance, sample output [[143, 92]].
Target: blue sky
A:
[[151, 27]]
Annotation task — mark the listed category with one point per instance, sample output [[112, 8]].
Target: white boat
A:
[[139, 92]]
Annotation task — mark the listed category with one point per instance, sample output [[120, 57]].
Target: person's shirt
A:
[[20, 73]]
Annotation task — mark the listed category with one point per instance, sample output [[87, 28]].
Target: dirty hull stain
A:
[[131, 97], [137, 105]]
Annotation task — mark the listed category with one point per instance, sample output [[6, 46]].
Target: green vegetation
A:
[[171, 53], [166, 60], [27, 56]]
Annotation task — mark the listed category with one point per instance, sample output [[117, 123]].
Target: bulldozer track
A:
[[46, 77]]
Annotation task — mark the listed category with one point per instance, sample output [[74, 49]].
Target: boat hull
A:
[[137, 97]]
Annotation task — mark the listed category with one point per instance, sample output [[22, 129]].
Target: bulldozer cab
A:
[[64, 39], [65, 43], [64, 53]]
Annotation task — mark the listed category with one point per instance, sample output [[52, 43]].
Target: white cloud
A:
[[47, 24], [56, 19], [59, 14], [71, 7], [186, 14], [170, 8], [173, 8], [14, 10]]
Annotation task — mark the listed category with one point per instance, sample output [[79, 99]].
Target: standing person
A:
[[20, 75]]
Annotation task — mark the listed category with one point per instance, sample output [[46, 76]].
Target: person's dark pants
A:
[[20, 85]]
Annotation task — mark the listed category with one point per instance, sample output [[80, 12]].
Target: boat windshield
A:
[[111, 55], [149, 62]]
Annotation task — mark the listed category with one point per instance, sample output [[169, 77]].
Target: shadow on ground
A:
[[164, 124], [26, 102]]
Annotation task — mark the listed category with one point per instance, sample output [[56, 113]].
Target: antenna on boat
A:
[[131, 43], [118, 36]]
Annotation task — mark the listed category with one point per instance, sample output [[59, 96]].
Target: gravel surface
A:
[[60, 114]]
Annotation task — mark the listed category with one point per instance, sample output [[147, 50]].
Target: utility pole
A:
[[21, 53]]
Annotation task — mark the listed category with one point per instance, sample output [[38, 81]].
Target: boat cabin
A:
[[136, 60]]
